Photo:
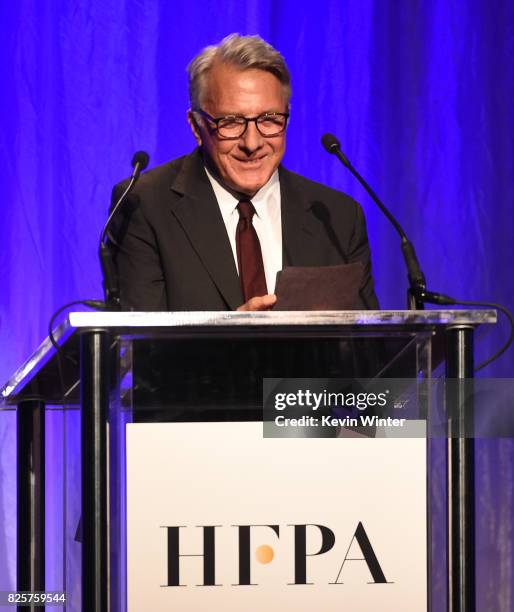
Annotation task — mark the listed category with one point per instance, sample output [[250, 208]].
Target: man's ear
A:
[[191, 119]]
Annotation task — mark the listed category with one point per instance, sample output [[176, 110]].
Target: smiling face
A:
[[245, 164]]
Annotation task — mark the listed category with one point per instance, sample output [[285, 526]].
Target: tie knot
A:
[[246, 210]]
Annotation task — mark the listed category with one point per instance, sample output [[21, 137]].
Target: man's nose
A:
[[252, 139]]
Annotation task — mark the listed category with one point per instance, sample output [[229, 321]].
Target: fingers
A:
[[264, 302]]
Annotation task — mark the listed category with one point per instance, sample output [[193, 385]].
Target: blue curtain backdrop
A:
[[419, 92]]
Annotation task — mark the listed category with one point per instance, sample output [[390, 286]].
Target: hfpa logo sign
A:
[[265, 554]]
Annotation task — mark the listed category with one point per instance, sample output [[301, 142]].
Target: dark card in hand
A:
[[319, 288]]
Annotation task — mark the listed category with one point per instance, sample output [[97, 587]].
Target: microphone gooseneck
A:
[[418, 293], [110, 278]]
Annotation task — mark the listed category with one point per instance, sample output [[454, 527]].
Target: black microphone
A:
[[110, 278], [417, 294], [139, 163]]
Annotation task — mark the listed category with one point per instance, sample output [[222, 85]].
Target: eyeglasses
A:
[[233, 127]]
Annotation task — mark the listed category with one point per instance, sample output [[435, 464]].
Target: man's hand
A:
[[264, 302]]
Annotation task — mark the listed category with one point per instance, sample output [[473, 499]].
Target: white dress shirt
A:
[[267, 222]]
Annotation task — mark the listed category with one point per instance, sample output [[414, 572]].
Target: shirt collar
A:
[[228, 202]]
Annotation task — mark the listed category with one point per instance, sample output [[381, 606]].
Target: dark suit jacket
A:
[[173, 252]]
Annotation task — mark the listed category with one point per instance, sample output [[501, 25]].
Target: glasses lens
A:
[[231, 127], [272, 124]]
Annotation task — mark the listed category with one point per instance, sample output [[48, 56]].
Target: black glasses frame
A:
[[217, 120]]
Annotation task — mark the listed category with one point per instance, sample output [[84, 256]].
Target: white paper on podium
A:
[[191, 481]]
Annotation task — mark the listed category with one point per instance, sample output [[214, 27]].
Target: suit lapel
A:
[[298, 228], [198, 212]]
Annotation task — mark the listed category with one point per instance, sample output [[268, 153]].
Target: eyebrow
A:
[[234, 114]]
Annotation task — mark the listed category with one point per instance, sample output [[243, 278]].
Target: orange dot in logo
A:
[[264, 554]]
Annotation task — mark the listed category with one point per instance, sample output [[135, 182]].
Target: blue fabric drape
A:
[[419, 93]]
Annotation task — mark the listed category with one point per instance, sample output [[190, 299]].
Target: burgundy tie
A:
[[249, 256]]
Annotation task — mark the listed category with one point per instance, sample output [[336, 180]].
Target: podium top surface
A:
[[170, 324], [128, 321]]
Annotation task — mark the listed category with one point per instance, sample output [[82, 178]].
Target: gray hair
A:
[[243, 52]]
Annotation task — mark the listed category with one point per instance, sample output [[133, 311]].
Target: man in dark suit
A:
[[209, 231]]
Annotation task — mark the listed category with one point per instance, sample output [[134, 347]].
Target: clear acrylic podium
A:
[[208, 366]]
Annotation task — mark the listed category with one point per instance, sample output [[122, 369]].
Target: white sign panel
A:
[[220, 518]]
